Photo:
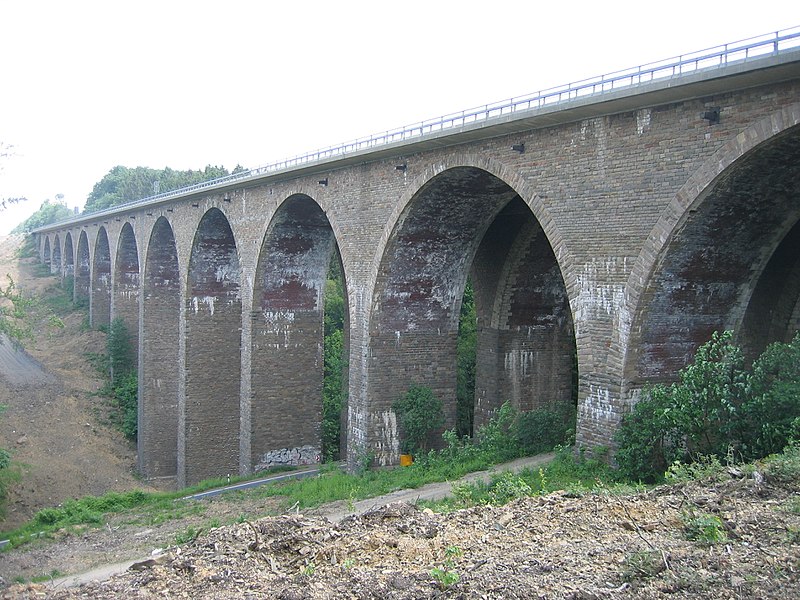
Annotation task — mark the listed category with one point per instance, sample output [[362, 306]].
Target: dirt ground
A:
[[562, 545], [52, 424]]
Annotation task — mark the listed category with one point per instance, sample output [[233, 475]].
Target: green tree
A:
[[123, 385], [333, 390], [419, 412], [123, 184], [14, 309], [49, 212], [120, 350], [465, 378], [332, 396]]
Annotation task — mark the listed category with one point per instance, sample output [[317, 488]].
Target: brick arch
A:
[[211, 420], [55, 262], [82, 271], [513, 179], [159, 367], [526, 351], [126, 284], [326, 203], [765, 157], [422, 263], [587, 359], [287, 333], [100, 301]]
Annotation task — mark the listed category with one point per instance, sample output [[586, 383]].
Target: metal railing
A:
[[675, 67]]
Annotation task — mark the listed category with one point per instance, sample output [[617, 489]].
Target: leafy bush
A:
[[704, 528], [126, 393], [509, 487], [718, 406], [512, 433], [772, 413], [332, 395], [543, 429], [497, 438], [123, 385], [643, 564], [14, 311], [648, 440], [120, 351], [419, 412]]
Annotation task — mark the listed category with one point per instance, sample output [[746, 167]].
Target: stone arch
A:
[[159, 372], [213, 351], [100, 302], [463, 218], [126, 284], [55, 263], [82, 271], [722, 256], [287, 334]]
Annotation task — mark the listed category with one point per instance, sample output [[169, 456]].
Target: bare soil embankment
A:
[[53, 425]]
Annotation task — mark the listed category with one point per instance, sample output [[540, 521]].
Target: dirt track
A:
[[18, 368]]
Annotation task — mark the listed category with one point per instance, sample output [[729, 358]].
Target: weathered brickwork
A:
[[213, 358], [100, 299], [125, 304], [159, 355], [46, 255], [287, 331], [601, 256], [69, 257], [82, 271], [55, 262]]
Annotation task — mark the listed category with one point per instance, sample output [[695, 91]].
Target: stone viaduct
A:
[[608, 228]]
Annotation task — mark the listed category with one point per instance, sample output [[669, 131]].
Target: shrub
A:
[[716, 408], [122, 386], [507, 487], [333, 397], [704, 528], [419, 412], [772, 413], [126, 395], [334, 394], [497, 437], [512, 433], [543, 429], [711, 391], [643, 564], [120, 351], [648, 440]]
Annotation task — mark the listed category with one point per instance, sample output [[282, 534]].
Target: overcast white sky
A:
[[85, 86]]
